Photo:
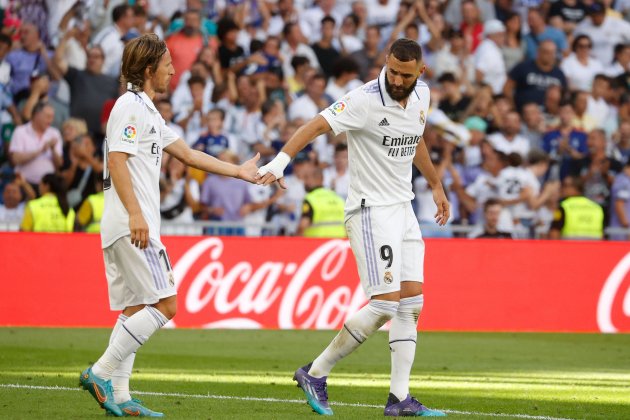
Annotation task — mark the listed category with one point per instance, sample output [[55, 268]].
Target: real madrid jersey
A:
[[135, 127], [382, 139]]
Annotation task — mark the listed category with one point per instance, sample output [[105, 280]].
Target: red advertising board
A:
[[234, 282]]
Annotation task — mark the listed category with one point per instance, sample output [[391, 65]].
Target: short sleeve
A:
[[348, 113], [169, 136], [17, 145], [124, 128]]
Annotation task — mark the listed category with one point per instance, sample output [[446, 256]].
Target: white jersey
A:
[[510, 183], [382, 139], [135, 127]]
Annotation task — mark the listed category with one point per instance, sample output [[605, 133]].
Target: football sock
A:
[[120, 377], [402, 343], [355, 331], [133, 333]]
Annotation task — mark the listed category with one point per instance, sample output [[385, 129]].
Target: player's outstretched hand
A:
[[274, 171], [247, 171], [443, 206], [269, 178], [139, 231]]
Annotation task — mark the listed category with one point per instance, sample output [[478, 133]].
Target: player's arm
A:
[[207, 163], [121, 177], [274, 170], [422, 161]]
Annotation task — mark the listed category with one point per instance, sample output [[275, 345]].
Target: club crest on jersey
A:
[[129, 134], [337, 108], [422, 117], [388, 278]]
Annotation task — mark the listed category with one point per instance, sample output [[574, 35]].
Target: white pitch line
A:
[[273, 400]]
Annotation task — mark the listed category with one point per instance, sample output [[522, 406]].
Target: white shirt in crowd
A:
[[337, 183], [135, 127], [611, 32], [14, 215], [488, 60], [335, 91], [288, 54], [305, 108], [579, 76], [382, 139], [176, 195], [483, 188], [518, 144], [255, 220], [109, 39], [510, 183]]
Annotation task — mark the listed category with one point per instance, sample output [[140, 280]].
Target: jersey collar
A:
[[386, 100], [148, 101]]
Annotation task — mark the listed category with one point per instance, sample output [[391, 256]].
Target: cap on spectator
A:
[[132, 34], [597, 7], [476, 123], [301, 157], [493, 26]]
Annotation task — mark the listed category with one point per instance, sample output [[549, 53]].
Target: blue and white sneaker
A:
[[409, 407], [315, 389], [101, 390]]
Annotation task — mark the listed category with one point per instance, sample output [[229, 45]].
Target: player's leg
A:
[[403, 330], [369, 234]]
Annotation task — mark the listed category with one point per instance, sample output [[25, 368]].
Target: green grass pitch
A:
[[219, 374]]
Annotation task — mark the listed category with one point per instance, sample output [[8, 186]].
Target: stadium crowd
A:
[[529, 127]]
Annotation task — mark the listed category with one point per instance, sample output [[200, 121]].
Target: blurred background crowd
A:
[[529, 126]]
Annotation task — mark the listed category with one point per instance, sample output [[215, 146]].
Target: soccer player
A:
[[384, 121], [139, 274]]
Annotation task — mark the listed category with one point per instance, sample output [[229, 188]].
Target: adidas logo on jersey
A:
[[383, 123], [152, 130]]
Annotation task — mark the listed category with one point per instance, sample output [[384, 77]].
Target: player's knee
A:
[[411, 307], [168, 307]]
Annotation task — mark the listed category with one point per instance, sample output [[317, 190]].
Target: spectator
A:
[[185, 44], [508, 140], [288, 207], [337, 176], [231, 55], [472, 151], [89, 88], [214, 141], [255, 213], [345, 73], [453, 12], [454, 58], [621, 139], [28, 62], [539, 32], [182, 98], [491, 212], [489, 65], [190, 119], [604, 31], [312, 19], [620, 204], [323, 209], [454, 103], [472, 26], [565, 143], [85, 165], [36, 147], [12, 209], [50, 212], [348, 41], [514, 47], [583, 119], [621, 63], [369, 55], [579, 67], [533, 126], [245, 119], [294, 45], [326, 53], [301, 68], [598, 107], [551, 106], [529, 80], [577, 217], [91, 211], [165, 109], [110, 39], [269, 128], [143, 24], [179, 193], [569, 13]]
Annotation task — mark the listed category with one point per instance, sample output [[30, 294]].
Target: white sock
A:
[[355, 331], [133, 333], [403, 334], [120, 377]]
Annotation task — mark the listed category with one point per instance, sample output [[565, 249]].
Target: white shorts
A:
[[137, 276], [388, 247]]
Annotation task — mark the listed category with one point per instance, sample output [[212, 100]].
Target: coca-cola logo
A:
[[613, 307], [225, 289]]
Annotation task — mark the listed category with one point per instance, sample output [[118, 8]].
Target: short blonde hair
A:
[[79, 125]]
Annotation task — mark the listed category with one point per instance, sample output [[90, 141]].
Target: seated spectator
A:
[[292, 46], [190, 118], [491, 213], [287, 210], [583, 120], [179, 193], [620, 204], [565, 143], [539, 32], [182, 99], [508, 140], [15, 196], [579, 67], [348, 42], [529, 80], [50, 212], [297, 82], [598, 105], [489, 64], [323, 209], [70, 130], [472, 26], [269, 129], [577, 217], [621, 140], [90, 213], [533, 126], [85, 164], [514, 47], [165, 109], [369, 55], [337, 176], [110, 39], [345, 72], [213, 142], [454, 58], [566, 14], [326, 53], [621, 63], [36, 147], [185, 44], [453, 102]]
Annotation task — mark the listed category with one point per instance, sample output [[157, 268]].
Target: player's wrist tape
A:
[[278, 165]]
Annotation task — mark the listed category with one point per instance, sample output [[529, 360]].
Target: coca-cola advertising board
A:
[[236, 282]]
